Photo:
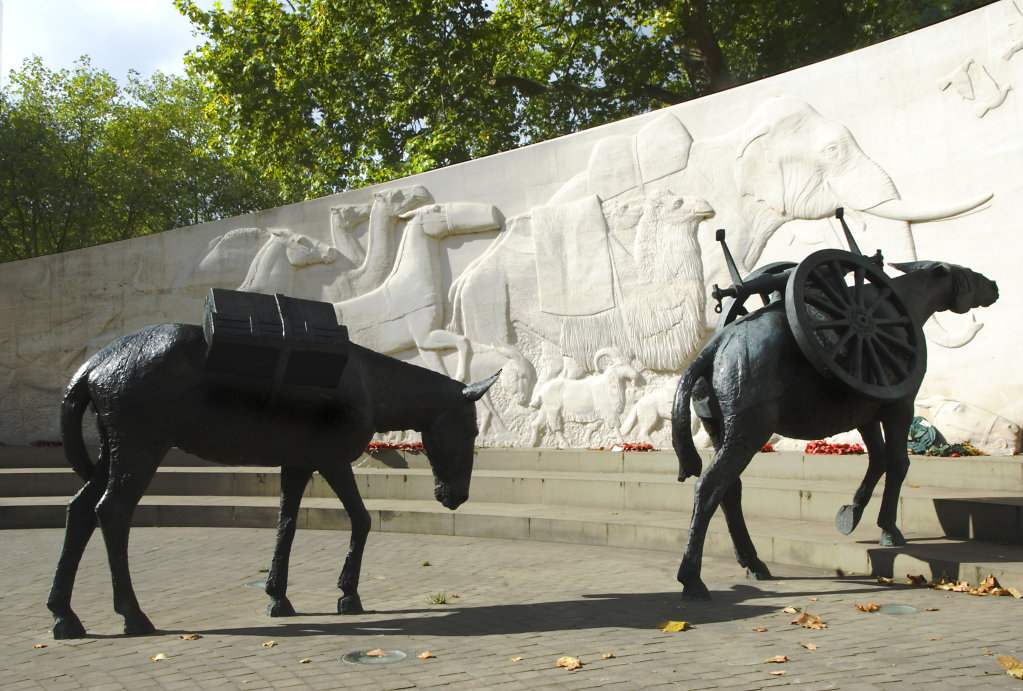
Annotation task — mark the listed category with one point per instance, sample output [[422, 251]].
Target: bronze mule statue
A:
[[150, 393], [751, 381]]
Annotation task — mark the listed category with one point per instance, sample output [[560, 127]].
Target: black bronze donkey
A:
[[150, 393], [752, 381]]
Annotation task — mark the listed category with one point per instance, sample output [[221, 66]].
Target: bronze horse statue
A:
[[150, 392], [751, 381]]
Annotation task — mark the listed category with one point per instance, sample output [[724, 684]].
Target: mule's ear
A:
[[941, 269], [904, 267], [474, 392]]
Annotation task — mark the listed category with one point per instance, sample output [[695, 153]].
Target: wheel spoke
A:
[[836, 288], [822, 301], [894, 364], [882, 298], [835, 324], [857, 358], [880, 378], [895, 343], [901, 320]]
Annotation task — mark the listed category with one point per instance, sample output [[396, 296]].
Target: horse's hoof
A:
[[138, 626], [349, 604], [892, 538], [758, 571], [68, 627], [280, 608], [847, 518], [695, 591]]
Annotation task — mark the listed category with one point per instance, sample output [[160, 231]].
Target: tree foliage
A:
[[330, 94], [84, 160]]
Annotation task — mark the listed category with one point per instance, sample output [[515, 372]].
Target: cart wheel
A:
[[851, 325], [732, 309]]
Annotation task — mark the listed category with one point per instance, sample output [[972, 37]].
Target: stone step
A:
[[1000, 473], [778, 541], [964, 513]]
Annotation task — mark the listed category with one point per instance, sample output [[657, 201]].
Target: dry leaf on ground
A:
[[916, 580], [808, 646], [885, 581], [157, 657], [777, 658], [1013, 667], [869, 607], [516, 659], [269, 644], [809, 621], [39, 645], [933, 609], [569, 662], [791, 610], [814, 599], [190, 636], [932, 639], [672, 626], [305, 661], [426, 655], [1015, 593], [607, 656], [376, 653], [778, 673], [759, 629]]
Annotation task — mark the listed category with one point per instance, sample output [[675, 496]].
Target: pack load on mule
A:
[[273, 344], [837, 345], [265, 380]]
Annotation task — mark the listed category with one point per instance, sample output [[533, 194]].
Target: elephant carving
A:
[[785, 162]]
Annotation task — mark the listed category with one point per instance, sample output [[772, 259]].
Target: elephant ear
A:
[[758, 173]]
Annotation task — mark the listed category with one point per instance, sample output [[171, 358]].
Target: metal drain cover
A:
[[362, 657]]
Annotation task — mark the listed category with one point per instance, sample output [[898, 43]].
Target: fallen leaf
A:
[[869, 607], [516, 659], [777, 658], [933, 609], [814, 599], [916, 580], [157, 657], [607, 656], [932, 639], [376, 653], [671, 626], [190, 636], [791, 610], [760, 629], [454, 595], [1015, 593], [809, 621], [808, 646], [987, 653], [885, 581], [305, 661], [1013, 667], [778, 673], [269, 644], [426, 655], [569, 662]]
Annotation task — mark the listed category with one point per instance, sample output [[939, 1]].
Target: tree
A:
[[84, 161], [331, 94]]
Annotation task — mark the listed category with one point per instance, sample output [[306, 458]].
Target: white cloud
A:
[[118, 35]]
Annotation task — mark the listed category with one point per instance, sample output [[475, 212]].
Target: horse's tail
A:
[[689, 462], [72, 412]]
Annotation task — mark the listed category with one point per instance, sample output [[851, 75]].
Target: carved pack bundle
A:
[[277, 346]]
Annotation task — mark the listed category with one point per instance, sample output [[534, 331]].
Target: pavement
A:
[[512, 609]]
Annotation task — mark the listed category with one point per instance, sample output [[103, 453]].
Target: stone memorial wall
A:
[[582, 266]]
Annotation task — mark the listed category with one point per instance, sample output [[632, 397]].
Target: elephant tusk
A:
[[902, 210], [939, 334]]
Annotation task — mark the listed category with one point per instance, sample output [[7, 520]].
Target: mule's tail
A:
[[72, 413], [689, 462]]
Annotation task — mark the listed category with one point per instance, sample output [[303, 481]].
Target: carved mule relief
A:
[[958, 422], [975, 85]]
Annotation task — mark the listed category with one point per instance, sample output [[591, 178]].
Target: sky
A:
[[118, 35]]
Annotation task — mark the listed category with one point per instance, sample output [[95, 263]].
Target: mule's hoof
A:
[[138, 625], [892, 538], [695, 592], [280, 608], [847, 518], [349, 604], [758, 571], [67, 627]]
